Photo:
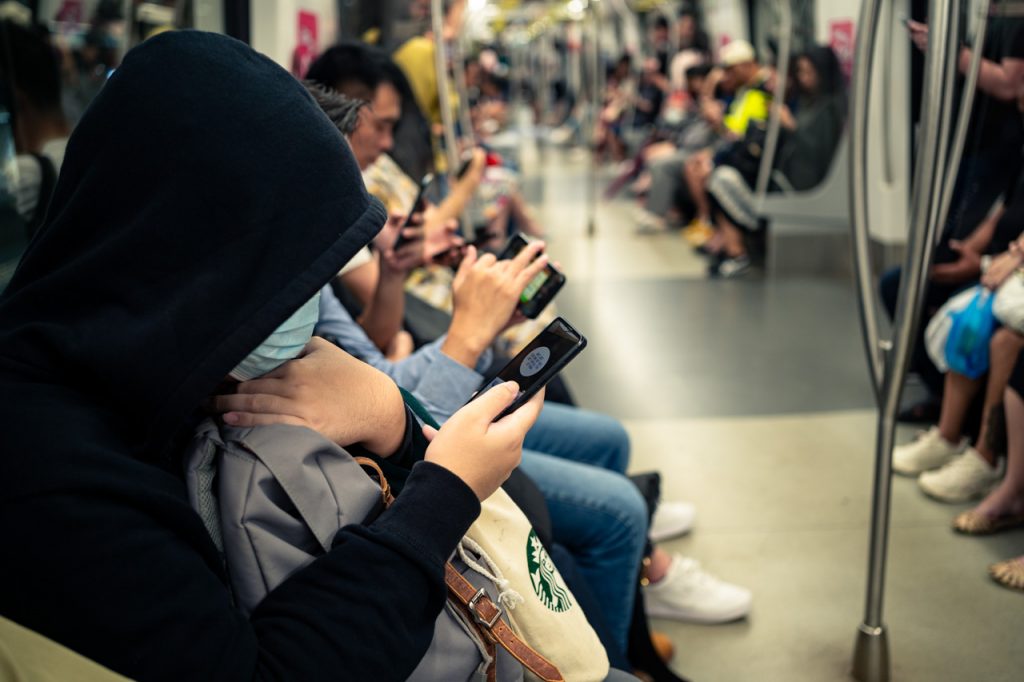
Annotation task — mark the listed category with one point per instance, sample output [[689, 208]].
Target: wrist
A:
[[462, 347], [390, 432]]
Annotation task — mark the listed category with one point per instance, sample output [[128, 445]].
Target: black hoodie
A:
[[203, 198]]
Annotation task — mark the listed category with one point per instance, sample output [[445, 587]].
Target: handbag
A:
[[272, 499], [540, 606], [1008, 306]]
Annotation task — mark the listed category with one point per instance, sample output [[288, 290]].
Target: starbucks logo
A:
[[547, 583]]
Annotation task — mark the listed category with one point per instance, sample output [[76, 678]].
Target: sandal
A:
[[973, 522], [1009, 573]]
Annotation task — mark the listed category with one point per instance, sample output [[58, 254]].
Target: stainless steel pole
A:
[[956, 149], [871, 654], [771, 141], [867, 30], [597, 97], [443, 93]]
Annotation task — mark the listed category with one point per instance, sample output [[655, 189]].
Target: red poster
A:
[[305, 44], [841, 39], [71, 11]]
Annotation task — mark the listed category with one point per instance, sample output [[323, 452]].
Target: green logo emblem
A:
[[547, 583]]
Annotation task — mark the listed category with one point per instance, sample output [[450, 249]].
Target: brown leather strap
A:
[[487, 616], [482, 614], [385, 488]]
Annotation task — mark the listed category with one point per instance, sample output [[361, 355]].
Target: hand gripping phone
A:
[[418, 206], [542, 288], [538, 363]]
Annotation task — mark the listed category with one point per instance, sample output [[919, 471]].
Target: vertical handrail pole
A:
[[867, 26], [771, 142], [443, 93], [956, 149], [597, 95], [871, 654]]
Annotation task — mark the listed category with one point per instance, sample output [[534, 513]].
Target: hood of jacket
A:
[[204, 197]]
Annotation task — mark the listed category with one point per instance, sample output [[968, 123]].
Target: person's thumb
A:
[[493, 401]]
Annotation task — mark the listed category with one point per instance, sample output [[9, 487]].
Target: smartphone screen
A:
[[539, 362], [417, 207], [542, 288]]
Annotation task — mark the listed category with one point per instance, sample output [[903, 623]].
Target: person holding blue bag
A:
[[977, 333]]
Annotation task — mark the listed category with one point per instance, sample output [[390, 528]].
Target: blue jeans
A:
[[577, 459]]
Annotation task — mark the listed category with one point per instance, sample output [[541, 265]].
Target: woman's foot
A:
[[1001, 510], [1009, 573]]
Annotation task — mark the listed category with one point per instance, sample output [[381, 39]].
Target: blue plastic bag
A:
[[968, 340]]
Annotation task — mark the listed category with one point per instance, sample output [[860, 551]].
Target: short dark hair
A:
[[698, 71], [351, 68], [29, 63], [343, 111]]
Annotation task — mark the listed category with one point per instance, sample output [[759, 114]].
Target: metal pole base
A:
[[871, 655]]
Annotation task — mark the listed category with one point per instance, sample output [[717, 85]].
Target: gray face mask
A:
[[285, 343]]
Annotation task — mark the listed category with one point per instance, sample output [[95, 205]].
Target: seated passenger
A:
[[29, 61], [605, 531], [1003, 508], [950, 469], [199, 206], [988, 170], [806, 146]]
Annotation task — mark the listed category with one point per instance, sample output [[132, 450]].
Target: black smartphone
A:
[[542, 288], [466, 163], [418, 206], [538, 363]]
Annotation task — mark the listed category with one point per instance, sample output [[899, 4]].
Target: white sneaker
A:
[[930, 451], [689, 594], [671, 519], [967, 477]]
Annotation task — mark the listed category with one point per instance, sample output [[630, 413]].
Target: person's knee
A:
[[1006, 343]]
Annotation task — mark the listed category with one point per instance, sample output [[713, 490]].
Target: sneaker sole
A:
[[948, 499], [719, 618]]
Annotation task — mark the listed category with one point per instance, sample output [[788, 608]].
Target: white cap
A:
[[736, 52]]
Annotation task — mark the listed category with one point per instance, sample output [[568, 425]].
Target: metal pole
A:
[[867, 29], [966, 107], [871, 653], [462, 89], [597, 97], [443, 94], [771, 141]]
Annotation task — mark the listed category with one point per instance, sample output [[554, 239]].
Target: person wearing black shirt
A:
[[203, 199]]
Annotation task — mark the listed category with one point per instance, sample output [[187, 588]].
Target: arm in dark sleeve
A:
[[124, 574]]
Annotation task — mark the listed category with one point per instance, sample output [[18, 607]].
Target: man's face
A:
[[374, 134]]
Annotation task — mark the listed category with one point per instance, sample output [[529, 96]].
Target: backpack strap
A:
[[47, 182], [480, 612], [485, 616]]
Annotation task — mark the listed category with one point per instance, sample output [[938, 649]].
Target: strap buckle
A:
[[472, 606]]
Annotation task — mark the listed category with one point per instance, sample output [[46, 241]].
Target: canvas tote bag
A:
[[540, 607]]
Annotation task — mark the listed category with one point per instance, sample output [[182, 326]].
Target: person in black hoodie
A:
[[202, 201]]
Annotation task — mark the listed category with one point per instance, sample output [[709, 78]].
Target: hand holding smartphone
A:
[[542, 288], [538, 363], [418, 206]]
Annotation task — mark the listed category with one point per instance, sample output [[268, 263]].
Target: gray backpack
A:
[[272, 499]]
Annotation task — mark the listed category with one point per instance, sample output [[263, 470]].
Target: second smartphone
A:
[[542, 288]]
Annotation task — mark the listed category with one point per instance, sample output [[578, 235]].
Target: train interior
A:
[[740, 376]]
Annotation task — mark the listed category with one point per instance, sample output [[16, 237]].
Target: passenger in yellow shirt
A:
[[416, 58]]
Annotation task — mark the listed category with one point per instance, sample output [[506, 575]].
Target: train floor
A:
[[751, 397]]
